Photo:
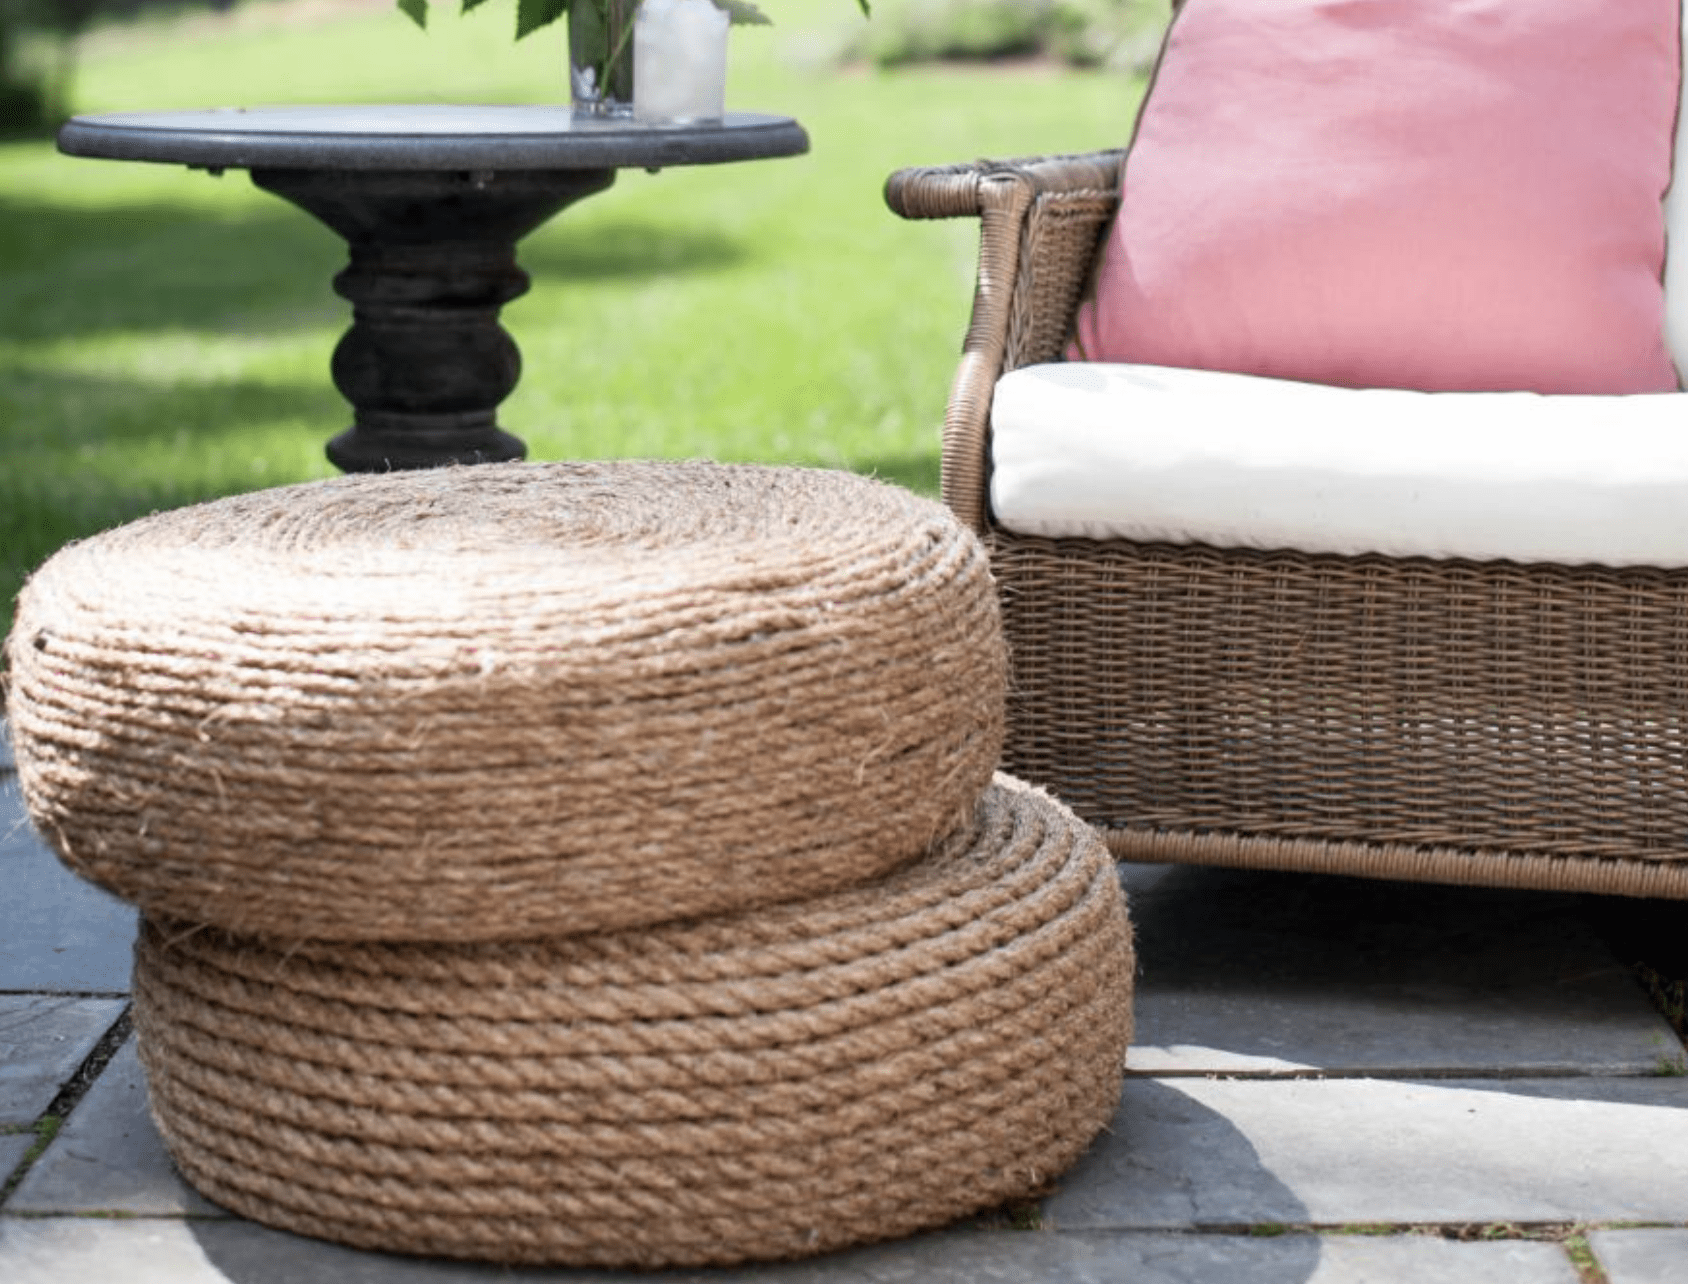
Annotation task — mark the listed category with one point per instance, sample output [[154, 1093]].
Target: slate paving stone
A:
[[43, 1039], [1422, 1259], [248, 1254], [1211, 1151], [109, 1157], [1246, 970], [75, 1250], [87, 1251], [13, 1147], [1168, 1161], [58, 933], [1651, 1256], [1265, 973]]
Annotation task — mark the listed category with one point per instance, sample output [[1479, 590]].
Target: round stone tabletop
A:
[[422, 137]]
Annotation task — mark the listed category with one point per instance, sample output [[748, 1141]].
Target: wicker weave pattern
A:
[[1479, 723], [500, 702], [770, 1085], [1347, 700]]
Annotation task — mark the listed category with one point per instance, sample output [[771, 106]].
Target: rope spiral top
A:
[[507, 701]]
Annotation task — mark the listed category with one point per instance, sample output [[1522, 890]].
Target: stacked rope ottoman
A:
[[594, 864]]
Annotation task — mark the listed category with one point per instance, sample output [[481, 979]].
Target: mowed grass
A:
[[165, 335]]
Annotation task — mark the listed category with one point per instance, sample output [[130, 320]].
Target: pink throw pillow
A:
[[1400, 193]]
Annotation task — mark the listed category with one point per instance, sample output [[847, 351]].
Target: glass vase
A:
[[601, 57]]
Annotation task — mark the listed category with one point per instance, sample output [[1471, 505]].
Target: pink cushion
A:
[[1400, 193]]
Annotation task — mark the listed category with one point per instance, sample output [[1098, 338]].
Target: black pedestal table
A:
[[431, 200]]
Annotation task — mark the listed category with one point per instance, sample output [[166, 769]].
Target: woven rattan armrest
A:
[[1041, 222]]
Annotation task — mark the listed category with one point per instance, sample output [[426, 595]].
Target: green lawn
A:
[[165, 335]]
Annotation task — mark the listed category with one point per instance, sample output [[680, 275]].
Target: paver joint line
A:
[[93, 1064], [1665, 1069], [1465, 1232], [46, 1127]]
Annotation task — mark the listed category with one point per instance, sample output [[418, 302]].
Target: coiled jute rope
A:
[[508, 701], [767, 1085]]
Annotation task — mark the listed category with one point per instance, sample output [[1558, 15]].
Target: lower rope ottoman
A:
[[769, 1085], [508, 701]]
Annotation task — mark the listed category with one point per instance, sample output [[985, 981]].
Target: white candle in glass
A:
[[679, 60]]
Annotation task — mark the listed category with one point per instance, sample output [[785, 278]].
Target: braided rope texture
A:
[[769, 1085], [508, 701]]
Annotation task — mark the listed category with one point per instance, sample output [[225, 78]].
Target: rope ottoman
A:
[[586, 864], [507, 701], [769, 1085]]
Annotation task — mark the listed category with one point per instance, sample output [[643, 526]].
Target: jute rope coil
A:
[[508, 701], [769, 1085]]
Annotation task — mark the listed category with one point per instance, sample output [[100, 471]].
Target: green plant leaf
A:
[[531, 15], [741, 13], [472, 4], [416, 11]]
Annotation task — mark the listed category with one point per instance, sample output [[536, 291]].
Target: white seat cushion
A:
[[1154, 454]]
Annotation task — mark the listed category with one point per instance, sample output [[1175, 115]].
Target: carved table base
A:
[[433, 259]]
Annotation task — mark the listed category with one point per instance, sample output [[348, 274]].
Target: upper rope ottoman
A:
[[507, 701]]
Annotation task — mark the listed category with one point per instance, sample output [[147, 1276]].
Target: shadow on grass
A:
[[626, 250], [80, 454], [67, 271], [50, 418]]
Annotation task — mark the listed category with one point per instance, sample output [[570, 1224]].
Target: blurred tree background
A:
[[38, 58], [38, 55], [1120, 34], [38, 40]]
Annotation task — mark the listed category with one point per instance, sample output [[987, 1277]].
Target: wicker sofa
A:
[[1476, 722]]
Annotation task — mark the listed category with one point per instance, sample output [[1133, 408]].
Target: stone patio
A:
[[1334, 1081]]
